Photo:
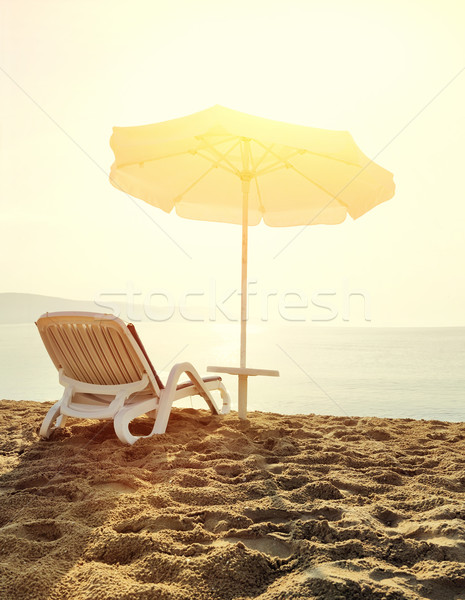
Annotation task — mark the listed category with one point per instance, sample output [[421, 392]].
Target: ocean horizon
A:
[[386, 372]]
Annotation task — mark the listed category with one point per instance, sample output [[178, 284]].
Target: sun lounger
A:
[[107, 374]]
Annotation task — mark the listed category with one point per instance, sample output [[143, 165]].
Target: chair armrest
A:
[[191, 372]]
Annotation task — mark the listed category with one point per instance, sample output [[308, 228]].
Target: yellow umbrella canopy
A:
[[222, 165], [299, 175]]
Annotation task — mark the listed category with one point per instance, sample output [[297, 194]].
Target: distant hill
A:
[[27, 308]]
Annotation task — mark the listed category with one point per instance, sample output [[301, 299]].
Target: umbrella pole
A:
[[242, 391]]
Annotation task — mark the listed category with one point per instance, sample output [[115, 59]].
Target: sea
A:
[[414, 373]]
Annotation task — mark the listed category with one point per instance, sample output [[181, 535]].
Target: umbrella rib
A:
[[222, 156], [165, 156], [282, 162], [323, 189], [272, 169], [216, 163], [188, 189], [226, 138], [260, 160], [146, 160], [304, 151], [289, 165]]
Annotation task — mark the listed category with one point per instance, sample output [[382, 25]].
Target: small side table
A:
[[243, 373]]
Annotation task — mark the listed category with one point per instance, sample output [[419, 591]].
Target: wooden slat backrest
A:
[[93, 348]]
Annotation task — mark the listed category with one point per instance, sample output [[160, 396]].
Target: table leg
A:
[[242, 397]]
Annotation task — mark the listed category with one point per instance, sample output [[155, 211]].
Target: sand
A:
[[274, 508]]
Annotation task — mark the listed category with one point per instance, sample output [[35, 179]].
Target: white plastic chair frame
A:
[[106, 375]]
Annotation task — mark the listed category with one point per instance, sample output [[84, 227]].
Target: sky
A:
[[392, 73]]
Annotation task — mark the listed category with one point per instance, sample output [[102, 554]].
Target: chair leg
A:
[[48, 423], [61, 421], [225, 397], [127, 414], [54, 413], [166, 404], [163, 413]]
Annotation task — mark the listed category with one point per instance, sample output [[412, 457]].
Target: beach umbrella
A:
[[222, 165]]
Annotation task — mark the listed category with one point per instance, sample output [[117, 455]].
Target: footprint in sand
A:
[[31, 482], [271, 515], [115, 486], [187, 480], [380, 435], [147, 524], [441, 533], [387, 517], [37, 531], [291, 482], [228, 469], [329, 513], [272, 544], [387, 476], [220, 521]]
